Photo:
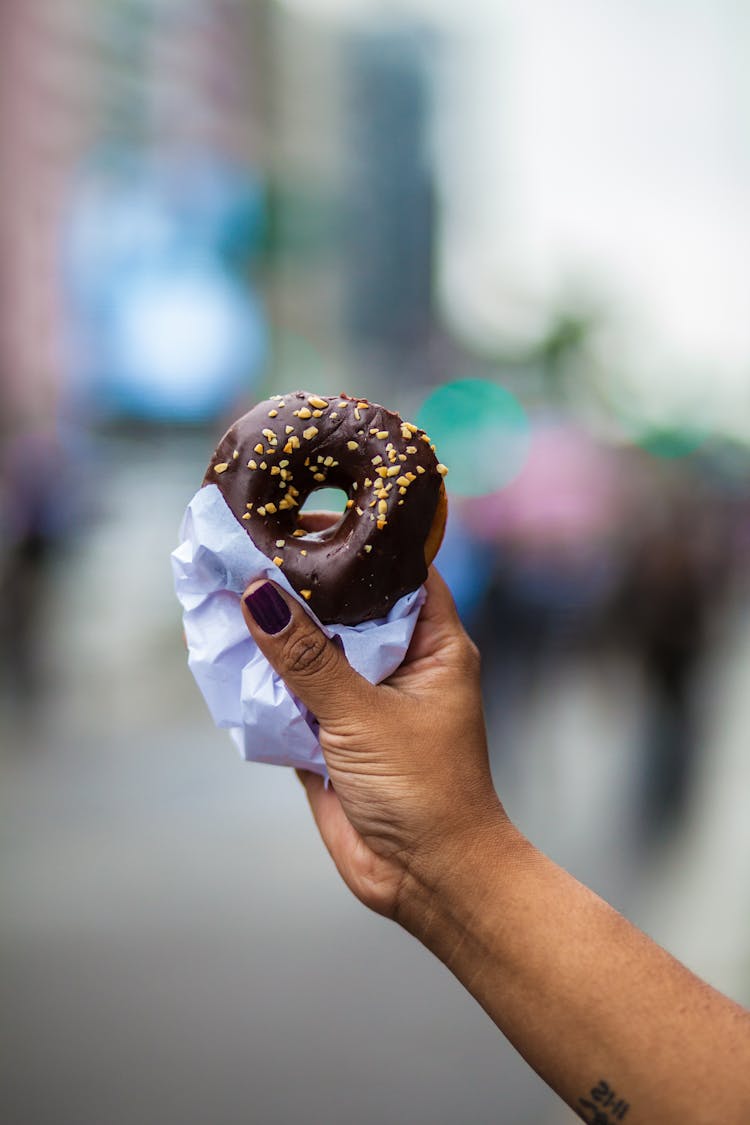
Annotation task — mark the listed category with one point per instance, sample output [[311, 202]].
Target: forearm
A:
[[582, 994]]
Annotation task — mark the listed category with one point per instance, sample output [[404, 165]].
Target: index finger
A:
[[318, 521]]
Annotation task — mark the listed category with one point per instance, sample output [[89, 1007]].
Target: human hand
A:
[[415, 828], [412, 789]]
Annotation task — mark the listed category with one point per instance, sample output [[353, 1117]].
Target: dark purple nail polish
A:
[[268, 608]]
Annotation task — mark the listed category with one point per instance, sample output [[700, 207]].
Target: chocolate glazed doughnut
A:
[[271, 459]]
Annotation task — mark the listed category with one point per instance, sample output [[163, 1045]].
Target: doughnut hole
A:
[[328, 501]]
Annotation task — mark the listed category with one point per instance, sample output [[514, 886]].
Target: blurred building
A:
[[389, 227]]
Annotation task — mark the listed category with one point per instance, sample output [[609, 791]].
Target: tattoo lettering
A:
[[602, 1106]]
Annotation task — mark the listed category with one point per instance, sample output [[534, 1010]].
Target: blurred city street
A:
[[177, 946], [521, 225]]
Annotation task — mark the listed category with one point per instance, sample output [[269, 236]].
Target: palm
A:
[[373, 878]]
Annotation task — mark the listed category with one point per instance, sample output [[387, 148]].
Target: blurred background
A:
[[522, 224]]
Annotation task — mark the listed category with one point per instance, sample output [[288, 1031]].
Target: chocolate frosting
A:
[[271, 459]]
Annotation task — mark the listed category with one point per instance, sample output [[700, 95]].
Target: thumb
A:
[[312, 666]]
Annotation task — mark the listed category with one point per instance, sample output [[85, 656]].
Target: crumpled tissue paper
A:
[[212, 566]]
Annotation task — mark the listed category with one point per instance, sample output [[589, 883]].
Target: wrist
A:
[[450, 892]]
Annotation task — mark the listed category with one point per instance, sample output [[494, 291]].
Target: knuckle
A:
[[469, 655], [307, 653]]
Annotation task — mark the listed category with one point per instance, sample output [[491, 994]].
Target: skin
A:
[[418, 833]]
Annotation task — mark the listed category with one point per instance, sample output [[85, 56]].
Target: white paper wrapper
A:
[[212, 566]]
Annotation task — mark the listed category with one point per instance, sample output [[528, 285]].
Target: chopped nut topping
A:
[[306, 594], [443, 470], [334, 415], [410, 476], [382, 507], [252, 465], [381, 471], [273, 413], [280, 542], [319, 402], [377, 459], [393, 471], [381, 434], [268, 434], [352, 445], [290, 430], [235, 455], [303, 412], [411, 449], [258, 448], [350, 504], [368, 482], [328, 462], [319, 476], [277, 560], [271, 508], [359, 511], [381, 523], [275, 470], [283, 464], [368, 547], [363, 405], [402, 491], [246, 515], [298, 532], [303, 552], [263, 465], [420, 469], [261, 511], [404, 482], [424, 437], [357, 414], [221, 467], [309, 433]]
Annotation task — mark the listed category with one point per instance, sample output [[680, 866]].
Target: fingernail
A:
[[268, 608]]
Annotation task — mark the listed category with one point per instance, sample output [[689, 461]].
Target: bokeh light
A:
[[670, 443], [188, 340], [481, 432]]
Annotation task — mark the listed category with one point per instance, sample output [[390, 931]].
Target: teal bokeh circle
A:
[[480, 431]]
